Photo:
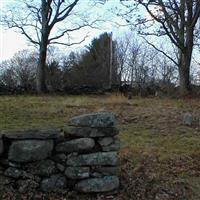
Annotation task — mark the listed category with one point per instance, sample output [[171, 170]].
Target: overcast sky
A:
[[12, 42]]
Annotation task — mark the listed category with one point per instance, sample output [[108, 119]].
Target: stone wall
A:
[[83, 157]]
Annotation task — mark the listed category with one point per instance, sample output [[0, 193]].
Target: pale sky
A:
[[12, 42]]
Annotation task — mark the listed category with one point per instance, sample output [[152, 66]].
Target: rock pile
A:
[[84, 158]]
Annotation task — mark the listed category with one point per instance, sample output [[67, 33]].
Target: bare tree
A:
[[134, 52], [8, 79], [20, 71], [176, 19], [24, 64], [123, 46], [46, 22]]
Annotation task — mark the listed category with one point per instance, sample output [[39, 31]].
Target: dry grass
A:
[[114, 100]]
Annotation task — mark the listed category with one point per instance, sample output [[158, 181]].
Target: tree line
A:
[[174, 20], [134, 63], [88, 69]]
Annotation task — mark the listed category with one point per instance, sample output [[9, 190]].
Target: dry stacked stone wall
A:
[[83, 157]]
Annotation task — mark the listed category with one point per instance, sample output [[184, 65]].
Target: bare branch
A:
[[61, 15], [70, 44], [161, 51]]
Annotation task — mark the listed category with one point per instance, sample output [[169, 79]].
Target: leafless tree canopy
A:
[[176, 19], [46, 22]]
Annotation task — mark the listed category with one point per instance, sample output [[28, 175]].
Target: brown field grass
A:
[[160, 157]]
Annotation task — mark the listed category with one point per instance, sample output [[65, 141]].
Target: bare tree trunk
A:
[[184, 72], [132, 76], [37, 21], [185, 57], [41, 78], [184, 80], [120, 75]]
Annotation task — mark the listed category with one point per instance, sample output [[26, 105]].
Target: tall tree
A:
[[91, 67], [45, 22], [101, 55], [176, 19]]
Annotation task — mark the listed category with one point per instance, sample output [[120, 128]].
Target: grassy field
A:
[[160, 157]]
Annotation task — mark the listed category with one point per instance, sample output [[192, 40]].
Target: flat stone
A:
[[105, 141], [6, 163], [187, 119], [77, 172], [92, 185], [13, 172], [16, 173], [107, 171], [75, 145], [30, 150], [55, 183], [100, 119], [14, 164], [60, 167], [90, 132], [112, 147], [96, 175], [40, 134], [100, 158], [61, 157], [42, 168]]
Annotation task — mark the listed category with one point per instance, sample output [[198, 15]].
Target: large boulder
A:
[[55, 183], [100, 158], [77, 172], [30, 150], [105, 184], [90, 132], [75, 145], [101, 119]]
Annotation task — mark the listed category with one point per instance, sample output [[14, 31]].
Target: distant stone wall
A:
[[83, 157]]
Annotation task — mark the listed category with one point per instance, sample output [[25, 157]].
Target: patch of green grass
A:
[[18, 112], [165, 146]]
